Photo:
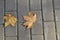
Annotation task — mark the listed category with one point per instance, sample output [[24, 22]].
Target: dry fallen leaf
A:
[[29, 20], [10, 20]]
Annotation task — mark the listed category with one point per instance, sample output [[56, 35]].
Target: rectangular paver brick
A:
[[1, 38], [11, 38], [23, 8], [1, 11], [1, 31], [57, 3], [35, 5], [23, 33], [58, 30], [57, 15], [49, 31], [37, 27], [58, 27], [10, 5], [37, 37], [47, 10]]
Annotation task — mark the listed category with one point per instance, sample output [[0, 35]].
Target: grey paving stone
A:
[[58, 35], [11, 31], [11, 38], [1, 11], [23, 33], [1, 31], [47, 4], [57, 3], [37, 37], [48, 16], [58, 27], [1, 38], [49, 31], [57, 15], [23, 38], [10, 5], [35, 5], [37, 27], [23, 8], [47, 10], [58, 30]]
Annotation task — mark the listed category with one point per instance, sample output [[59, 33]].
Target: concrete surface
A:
[[45, 28]]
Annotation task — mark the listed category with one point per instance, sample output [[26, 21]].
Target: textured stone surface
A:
[[37, 30], [11, 38], [1, 31], [58, 27], [37, 27], [58, 30], [11, 31], [37, 37], [1, 38], [47, 10], [57, 4], [23, 8], [57, 15], [1, 11], [35, 5], [23, 33], [49, 30], [10, 5]]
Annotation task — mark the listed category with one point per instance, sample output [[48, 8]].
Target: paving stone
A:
[[37, 28], [1, 11], [11, 31], [35, 5], [48, 16], [1, 31], [10, 5], [11, 38], [1, 38], [23, 33], [23, 38], [49, 31], [37, 37], [47, 10], [58, 30], [58, 35], [58, 27], [47, 4], [57, 15], [23, 8], [57, 3]]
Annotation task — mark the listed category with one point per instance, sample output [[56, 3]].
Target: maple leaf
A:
[[29, 20], [10, 20]]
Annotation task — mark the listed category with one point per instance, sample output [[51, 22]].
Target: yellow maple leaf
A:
[[10, 20], [29, 20]]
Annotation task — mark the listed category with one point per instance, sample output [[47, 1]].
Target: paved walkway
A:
[[47, 26]]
